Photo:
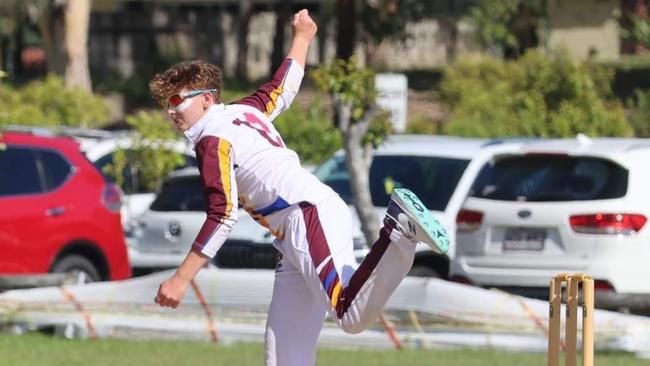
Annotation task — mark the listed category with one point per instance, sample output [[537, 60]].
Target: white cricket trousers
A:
[[318, 275]]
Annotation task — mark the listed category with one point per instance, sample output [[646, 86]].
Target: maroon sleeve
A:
[[277, 94], [219, 189]]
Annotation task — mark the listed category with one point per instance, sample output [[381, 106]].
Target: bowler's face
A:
[[189, 111]]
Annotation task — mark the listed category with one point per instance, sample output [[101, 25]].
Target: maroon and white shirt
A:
[[243, 158]]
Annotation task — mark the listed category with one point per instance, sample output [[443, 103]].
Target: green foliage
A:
[[639, 32], [48, 103], [309, 131], [423, 126], [537, 95], [379, 128], [151, 154], [491, 20], [639, 113], [347, 81], [500, 22]]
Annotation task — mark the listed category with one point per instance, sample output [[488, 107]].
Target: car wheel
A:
[[423, 271], [80, 267]]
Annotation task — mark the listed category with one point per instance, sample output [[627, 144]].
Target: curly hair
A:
[[193, 74]]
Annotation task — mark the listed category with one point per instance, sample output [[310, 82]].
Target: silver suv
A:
[[161, 237]]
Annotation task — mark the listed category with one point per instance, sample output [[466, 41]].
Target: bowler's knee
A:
[[353, 327]]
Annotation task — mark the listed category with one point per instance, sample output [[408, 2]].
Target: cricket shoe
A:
[[407, 213]]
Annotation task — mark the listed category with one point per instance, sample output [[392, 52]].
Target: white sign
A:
[[392, 95]]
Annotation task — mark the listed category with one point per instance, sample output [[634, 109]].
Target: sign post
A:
[[392, 95]]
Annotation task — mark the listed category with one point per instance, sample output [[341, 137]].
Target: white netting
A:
[[426, 313]]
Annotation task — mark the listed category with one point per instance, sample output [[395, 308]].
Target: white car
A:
[[100, 147], [162, 235], [439, 169], [553, 206]]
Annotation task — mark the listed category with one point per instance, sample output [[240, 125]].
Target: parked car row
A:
[[438, 169], [518, 211]]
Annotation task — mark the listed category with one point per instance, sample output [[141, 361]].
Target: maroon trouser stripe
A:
[[318, 248], [364, 271], [319, 251]]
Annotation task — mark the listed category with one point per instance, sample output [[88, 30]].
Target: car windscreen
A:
[[433, 179], [539, 178], [180, 194]]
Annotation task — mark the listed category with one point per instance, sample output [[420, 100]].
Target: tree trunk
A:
[[17, 70], [282, 16], [346, 22], [4, 50], [52, 27], [245, 14], [324, 18], [450, 25], [77, 16], [357, 160], [371, 54]]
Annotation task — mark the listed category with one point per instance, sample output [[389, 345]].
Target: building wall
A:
[[586, 28], [123, 37], [428, 46]]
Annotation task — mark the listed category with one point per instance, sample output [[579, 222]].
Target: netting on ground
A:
[[424, 312]]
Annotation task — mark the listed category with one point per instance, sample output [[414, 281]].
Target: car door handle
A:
[[55, 211]]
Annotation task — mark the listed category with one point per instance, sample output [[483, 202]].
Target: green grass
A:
[[35, 349]]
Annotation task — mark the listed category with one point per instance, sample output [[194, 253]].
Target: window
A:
[[433, 179], [19, 172], [334, 173], [54, 167], [550, 178], [180, 194]]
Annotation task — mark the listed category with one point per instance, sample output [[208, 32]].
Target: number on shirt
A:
[[251, 121]]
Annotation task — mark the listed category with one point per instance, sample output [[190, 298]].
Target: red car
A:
[[57, 212]]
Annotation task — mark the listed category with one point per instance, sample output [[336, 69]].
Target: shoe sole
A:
[[410, 203]]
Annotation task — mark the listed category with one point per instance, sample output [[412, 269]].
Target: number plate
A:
[[524, 239]]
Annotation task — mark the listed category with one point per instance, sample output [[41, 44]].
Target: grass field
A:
[[35, 349]]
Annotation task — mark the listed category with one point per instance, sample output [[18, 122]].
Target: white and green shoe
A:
[[409, 215]]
